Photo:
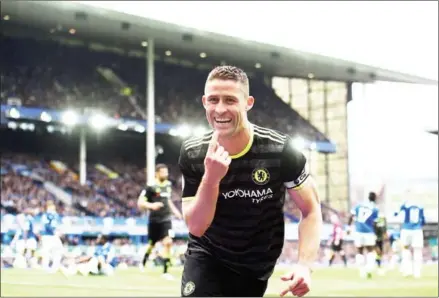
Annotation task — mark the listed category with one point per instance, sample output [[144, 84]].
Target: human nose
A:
[[220, 108]]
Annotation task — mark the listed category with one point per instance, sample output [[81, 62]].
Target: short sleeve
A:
[[294, 169], [191, 180], [145, 194], [354, 211], [422, 214], [44, 219]]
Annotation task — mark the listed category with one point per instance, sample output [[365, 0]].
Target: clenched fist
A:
[[217, 160]]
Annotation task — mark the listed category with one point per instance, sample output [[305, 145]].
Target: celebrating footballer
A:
[[235, 179]]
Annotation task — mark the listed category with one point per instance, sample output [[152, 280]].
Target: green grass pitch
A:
[[334, 282]]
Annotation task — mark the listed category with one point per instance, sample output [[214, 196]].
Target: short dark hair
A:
[[160, 166], [233, 73], [372, 196]]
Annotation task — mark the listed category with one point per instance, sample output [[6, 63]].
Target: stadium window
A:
[[337, 96], [321, 188], [336, 111], [321, 171], [299, 89], [338, 193], [317, 95], [317, 121], [337, 128], [317, 85], [337, 166], [280, 87]]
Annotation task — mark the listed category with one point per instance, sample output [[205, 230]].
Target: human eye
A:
[[230, 100]]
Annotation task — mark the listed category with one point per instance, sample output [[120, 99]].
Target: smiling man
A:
[[235, 179]]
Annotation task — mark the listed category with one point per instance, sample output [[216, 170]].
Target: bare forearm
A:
[[199, 212], [174, 209], [144, 205], [351, 219], [310, 230]]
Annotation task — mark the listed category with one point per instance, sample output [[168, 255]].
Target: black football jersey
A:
[[247, 232], [159, 192]]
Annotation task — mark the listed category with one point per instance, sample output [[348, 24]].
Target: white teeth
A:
[[222, 120]]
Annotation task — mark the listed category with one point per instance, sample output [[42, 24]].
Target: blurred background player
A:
[[381, 235], [336, 240], [364, 216], [25, 240], [412, 237], [395, 244], [157, 199], [99, 263], [51, 245]]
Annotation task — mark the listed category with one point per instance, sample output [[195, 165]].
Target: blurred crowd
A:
[[109, 193], [23, 178], [58, 76]]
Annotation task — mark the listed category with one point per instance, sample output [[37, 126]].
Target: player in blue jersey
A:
[[412, 237], [395, 244], [364, 216], [51, 245], [99, 263], [25, 239]]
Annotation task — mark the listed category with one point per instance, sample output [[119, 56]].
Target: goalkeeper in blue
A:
[[412, 238]]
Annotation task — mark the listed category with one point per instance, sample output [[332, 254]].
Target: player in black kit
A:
[[380, 227], [157, 198], [235, 179]]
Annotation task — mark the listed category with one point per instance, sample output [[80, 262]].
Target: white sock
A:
[[406, 262], [33, 262], [70, 270], [370, 262], [359, 261], [107, 269], [394, 261], [84, 269], [417, 262], [56, 261], [45, 260]]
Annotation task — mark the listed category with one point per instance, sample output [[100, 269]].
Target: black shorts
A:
[[379, 244], [203, 276], [157, 231], [337, 247]]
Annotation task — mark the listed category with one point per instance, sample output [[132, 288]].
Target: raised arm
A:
[[200, 194]]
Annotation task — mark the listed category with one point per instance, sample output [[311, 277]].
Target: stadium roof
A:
[[123, 30]]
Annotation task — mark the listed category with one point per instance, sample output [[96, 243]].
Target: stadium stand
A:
[[51, 77]]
